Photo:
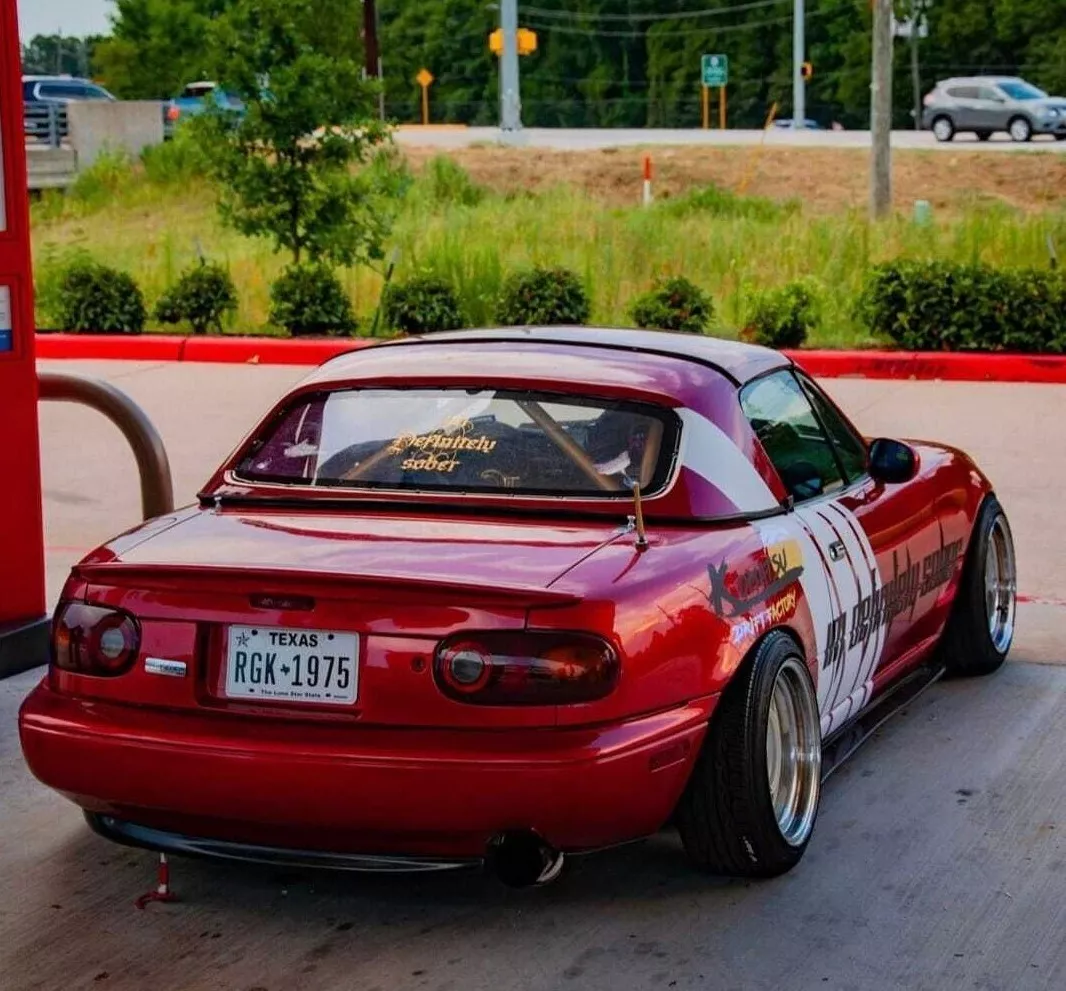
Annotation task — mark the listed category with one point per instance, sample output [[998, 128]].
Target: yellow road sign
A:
[[424, 78]]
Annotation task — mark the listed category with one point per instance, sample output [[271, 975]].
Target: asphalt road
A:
[[591, 138], [939, 861]]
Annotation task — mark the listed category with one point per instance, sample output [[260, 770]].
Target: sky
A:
[[72, 17]]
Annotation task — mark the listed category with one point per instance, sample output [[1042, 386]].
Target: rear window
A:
[[459, 440]]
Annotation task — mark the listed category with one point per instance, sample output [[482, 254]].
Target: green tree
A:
[[305, 165], [49, 54], [157, 46]]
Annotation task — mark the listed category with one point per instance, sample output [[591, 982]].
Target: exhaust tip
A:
[[521, 859]]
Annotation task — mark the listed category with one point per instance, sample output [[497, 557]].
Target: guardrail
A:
[[46, 124], [157, 487]]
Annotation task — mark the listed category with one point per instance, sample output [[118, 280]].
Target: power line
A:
[[649, 18], [638, 35]]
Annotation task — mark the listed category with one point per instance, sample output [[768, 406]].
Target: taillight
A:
[[94, 640], [526, 668], [173, 113]]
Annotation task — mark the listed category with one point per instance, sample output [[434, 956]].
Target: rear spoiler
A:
[[182, 577]]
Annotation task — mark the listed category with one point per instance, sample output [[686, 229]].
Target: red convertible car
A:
[[501, 596]]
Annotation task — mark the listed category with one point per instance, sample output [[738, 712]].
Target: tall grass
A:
[[154, 218]]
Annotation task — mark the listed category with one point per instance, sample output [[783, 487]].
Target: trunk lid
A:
[[399, 583]]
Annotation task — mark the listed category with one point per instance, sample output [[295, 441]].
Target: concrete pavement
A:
[[939, 861], [579, 139]]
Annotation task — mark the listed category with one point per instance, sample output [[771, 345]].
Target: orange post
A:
[[706, 107], [721, 110]]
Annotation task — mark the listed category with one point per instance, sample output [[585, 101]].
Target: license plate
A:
[[277, 665]]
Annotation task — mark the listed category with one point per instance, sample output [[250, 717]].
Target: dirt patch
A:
[[825, 180]]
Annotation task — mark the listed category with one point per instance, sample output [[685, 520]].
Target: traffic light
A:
[[807, 71], [527, 41]]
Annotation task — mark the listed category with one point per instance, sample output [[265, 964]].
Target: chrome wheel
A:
[[1001, 586], [1020, 129], [794, 753]]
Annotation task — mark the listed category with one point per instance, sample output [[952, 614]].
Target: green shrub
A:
[[201, 297], [50, 266], [91, 298], [308, 300], [716, 202], [545, 296], [447, 183], [785, 317], [182, 159], [674, 304], [423, 305], [943, 306]]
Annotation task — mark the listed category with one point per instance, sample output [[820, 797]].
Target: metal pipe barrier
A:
[[157, 487]]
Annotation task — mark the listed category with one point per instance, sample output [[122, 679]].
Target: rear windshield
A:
[[476, 440]]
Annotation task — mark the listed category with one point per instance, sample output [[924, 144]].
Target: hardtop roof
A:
[[738, 361]]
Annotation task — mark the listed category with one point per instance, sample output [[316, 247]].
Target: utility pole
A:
[[510, 85], [373, 49], [370, 37], [799, 56], [917, 14], [881, 111]]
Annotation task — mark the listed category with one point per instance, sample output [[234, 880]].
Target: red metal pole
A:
[[23, 632]]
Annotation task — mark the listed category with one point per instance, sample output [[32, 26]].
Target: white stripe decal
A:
[[881, 634], [708, 451]]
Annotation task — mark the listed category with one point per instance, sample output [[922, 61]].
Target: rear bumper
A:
[[198, 778]]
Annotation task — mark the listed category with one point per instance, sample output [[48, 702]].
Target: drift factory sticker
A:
[[733, 594]]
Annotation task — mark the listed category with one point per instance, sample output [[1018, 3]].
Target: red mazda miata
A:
[[500, 596]]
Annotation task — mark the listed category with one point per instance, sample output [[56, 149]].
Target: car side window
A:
[[72, 91], [784, 421], [850, 447], [992, 95]]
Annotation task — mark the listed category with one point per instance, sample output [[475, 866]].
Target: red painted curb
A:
[[161, 347], [948, 367], [265, 350], [106, 347]]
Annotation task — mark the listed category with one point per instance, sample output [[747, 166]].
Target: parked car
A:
[[985, 105], [43, 96], [788, 124], [499, 596], [195, 99]]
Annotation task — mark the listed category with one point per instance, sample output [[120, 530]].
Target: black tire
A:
[[983, 135], [943, 128], [726, 817], [1060, 137], [1020, 129], [967, 648]]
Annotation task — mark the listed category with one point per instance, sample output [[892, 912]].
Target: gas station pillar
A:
[[23, 622]]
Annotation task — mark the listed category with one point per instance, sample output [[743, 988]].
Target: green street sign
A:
[[715, 70]]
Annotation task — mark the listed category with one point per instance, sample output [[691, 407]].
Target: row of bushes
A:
[[924, 306], [309, 300], [940, 306], [93, 298]]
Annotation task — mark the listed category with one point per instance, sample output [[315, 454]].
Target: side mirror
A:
[[892, 462]]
